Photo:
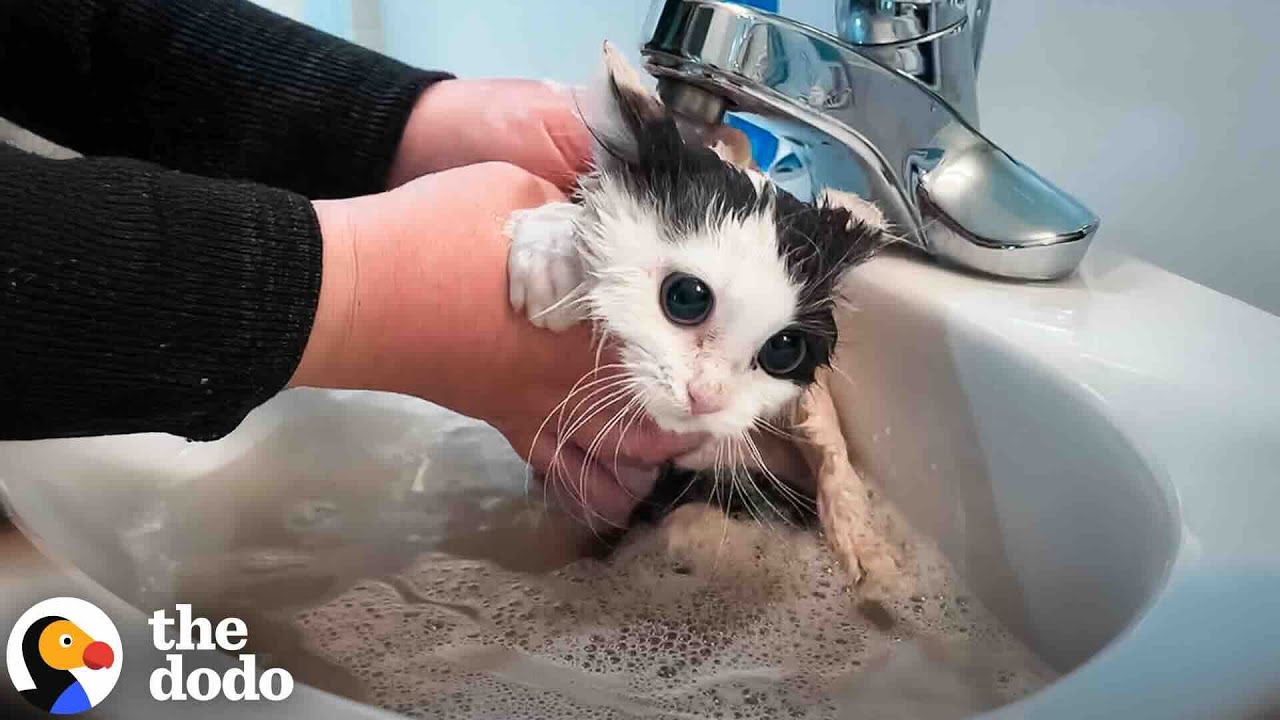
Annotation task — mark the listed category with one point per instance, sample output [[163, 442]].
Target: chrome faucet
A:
[[882, 103]]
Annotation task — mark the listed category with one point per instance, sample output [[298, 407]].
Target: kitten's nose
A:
[[706, 398]]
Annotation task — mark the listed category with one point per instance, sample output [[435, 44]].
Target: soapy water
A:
[[384, 549], [701, 617]]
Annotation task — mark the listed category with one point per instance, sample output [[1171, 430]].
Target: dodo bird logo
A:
[[64, 655]]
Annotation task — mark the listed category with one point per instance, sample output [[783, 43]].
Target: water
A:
[[702, 617], [385, 549]]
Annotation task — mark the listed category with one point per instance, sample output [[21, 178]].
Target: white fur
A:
[[606, 259], [626, 257]]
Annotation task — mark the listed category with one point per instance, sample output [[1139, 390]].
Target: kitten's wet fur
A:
[[695, 191], [654, 205]]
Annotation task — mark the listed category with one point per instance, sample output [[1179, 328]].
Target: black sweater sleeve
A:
[[221, 88], [135, 298]]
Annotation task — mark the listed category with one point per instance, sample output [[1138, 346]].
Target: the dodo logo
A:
[[64, 655]]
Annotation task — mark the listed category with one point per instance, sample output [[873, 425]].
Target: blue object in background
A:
[[764, 145], [765, 5], [332, 16]]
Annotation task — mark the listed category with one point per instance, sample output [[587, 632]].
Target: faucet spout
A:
[[892, 120]]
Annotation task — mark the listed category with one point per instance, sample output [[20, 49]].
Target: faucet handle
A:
[[979, 204], [891, 22], [896, 22]]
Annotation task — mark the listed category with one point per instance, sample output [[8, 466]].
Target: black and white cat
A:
[[716, 288]]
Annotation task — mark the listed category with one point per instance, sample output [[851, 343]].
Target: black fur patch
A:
[[819, 245], [694, 189], [754, 498]]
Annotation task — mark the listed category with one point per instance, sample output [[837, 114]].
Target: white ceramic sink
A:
[[1097, 456], [1100, 457]]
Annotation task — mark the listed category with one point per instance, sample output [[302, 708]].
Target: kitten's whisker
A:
[[560, 411], [746, 487], [564, 440], [637, 407], [600, 402], [595, 386], [797, 499], [689, 486], [594, 447], [583, 383], [580, 497], [724, 533], [788, 493], [600, 337], [637, 404], [573, 297], [556, 464], [775, 430], [600, 399], [538, 434], [750, 447]]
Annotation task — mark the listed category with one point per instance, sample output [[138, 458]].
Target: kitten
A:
[[716, 287]]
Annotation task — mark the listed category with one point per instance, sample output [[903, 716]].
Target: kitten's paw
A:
[[879, 569], [544, 270], [860, 542]]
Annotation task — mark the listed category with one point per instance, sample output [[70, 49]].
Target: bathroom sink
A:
[[1096, 456], [1099, 457]]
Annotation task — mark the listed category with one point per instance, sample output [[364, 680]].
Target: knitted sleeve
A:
[[139, 299], [221, 88]]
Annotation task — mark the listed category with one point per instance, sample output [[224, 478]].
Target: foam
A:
[[701, 617]]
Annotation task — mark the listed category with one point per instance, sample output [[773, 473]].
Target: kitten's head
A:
[[718, 287]]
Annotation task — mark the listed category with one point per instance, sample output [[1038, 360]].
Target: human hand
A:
[[529, 123], [414, 299]]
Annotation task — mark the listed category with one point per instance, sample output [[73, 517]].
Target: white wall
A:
[[556, 39], [289, 8], [1162, 115]]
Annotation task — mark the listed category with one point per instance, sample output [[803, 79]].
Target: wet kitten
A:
[[716, 287]]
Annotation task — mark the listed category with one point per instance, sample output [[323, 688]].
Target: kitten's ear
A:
[[619, 107], [864, 234], [859, 208], [629, 122]]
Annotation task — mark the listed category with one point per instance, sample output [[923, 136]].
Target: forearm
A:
[[397, 309], [215, 87], [134, 299]]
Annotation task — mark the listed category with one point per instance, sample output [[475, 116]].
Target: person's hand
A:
[[532, 124], [414, 300]]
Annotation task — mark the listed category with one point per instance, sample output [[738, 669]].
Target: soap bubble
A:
[[702, 616]]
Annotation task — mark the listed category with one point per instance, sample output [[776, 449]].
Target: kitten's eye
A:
[[782, 353], [686, 300], [64, 640]]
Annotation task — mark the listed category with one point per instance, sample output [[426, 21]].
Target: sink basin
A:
[[1096, 456]]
